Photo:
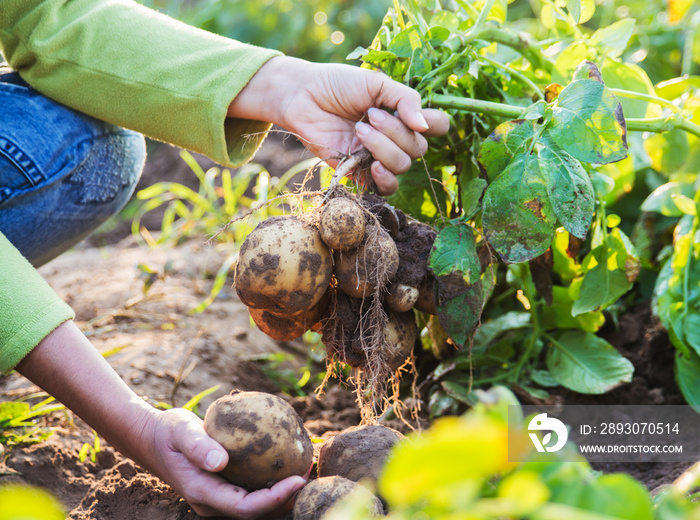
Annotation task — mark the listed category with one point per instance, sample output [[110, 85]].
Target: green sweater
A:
[[133, 67]]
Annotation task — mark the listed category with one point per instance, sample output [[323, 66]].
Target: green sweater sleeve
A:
[[29, 309], [131, 66]]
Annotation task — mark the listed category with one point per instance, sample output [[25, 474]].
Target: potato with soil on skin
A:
[[287, 328], [320, 495], [265, 438], [360, 271], [342, 224], [401, 297], [283, 267], [401, 333], [357, 453]]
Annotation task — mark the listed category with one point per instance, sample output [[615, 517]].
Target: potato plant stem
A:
[[657, 124]]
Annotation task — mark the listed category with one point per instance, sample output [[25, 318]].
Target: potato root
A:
[[284, 267], [265, 438]]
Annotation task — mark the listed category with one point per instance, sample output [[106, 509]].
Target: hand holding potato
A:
[[189, 458]]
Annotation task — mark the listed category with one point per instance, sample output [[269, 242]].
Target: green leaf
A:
[[559, 314], [457, 268], [387, 62], [629, 76], [618, 496], [676, 87], [668, 151], [437, 36], [685, 204], [574, 7], [585, 363], [471, 197], [661, 200], [687, 377], [490, 330], [615, 37], [610, 270], [587, 119], [518, 217], [406, 42]]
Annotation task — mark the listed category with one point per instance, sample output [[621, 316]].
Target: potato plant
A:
[[517, 215], [558, 135]]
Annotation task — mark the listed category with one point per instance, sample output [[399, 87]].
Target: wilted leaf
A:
[[457, 269], [587, 119], [505, 142], [585, 363], [518, 218], [570, 190]]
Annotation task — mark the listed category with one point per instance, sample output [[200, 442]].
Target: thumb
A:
[[190, 439]]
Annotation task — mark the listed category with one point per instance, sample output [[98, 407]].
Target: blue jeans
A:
[[62, 173]]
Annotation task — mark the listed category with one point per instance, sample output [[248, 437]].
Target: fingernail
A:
[[213, 459], [362, 128], [376, 115], [421, 120]]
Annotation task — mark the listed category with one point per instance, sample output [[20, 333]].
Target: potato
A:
[[401, 333], [427, 301], [284, 267], [372, 264], [357, 453], [265, 438], [319, 495], [287, 328], [401, 297], [342, 224]]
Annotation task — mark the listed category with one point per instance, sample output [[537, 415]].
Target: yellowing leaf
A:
[[455, 453], [526, 489], [677, 9]]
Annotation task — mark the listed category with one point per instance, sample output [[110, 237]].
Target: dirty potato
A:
[[265, 438]]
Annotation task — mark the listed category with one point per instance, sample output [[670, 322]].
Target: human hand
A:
[[186, 457], [325, 104], [171, 444]]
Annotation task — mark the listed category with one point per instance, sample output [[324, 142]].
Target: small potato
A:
[[401, 333], [319, 495], [401, 297], [357, 453], [265, 438], [284, 267], [427, 302], [372, 264], [287, 328], [342, 224]]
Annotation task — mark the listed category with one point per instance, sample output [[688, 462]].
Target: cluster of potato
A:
[[266, 442], [355, 274]]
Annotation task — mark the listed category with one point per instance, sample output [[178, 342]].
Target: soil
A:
[[169, 356]]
